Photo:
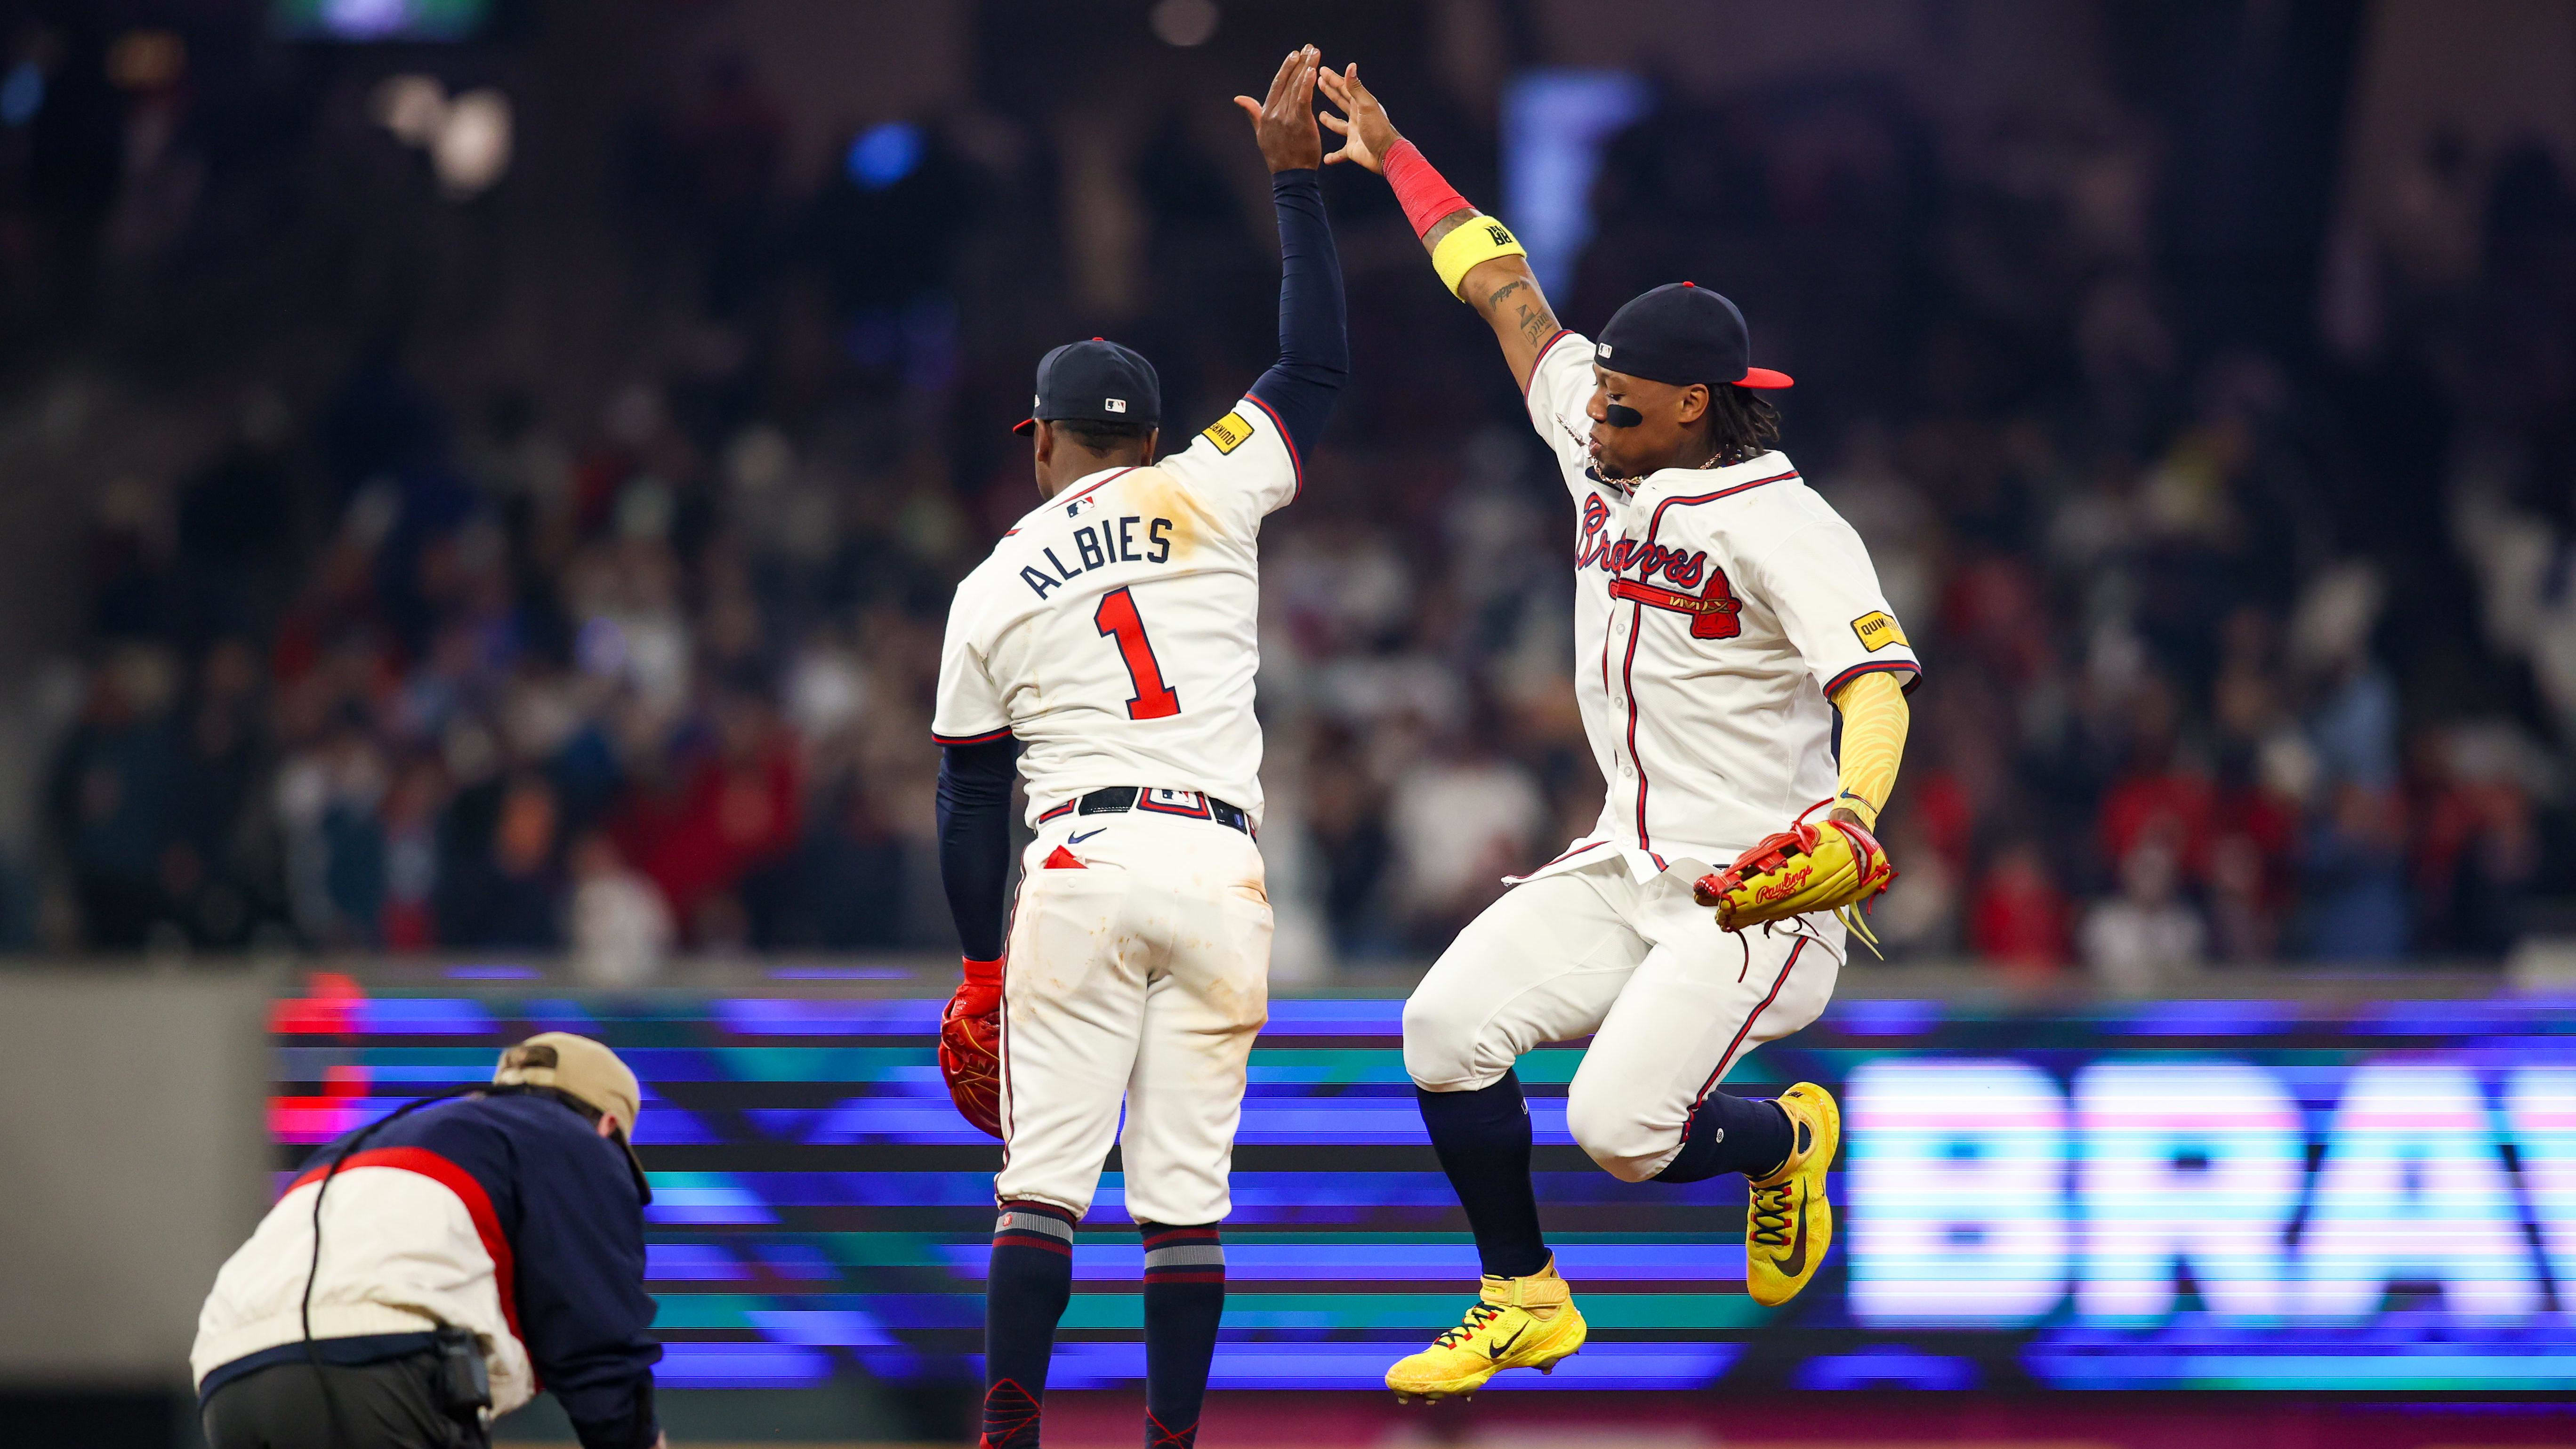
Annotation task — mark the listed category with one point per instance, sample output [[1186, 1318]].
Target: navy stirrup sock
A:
[[1184, 1298], [1483, 1138], [1750, 1135], [1024, 1295]]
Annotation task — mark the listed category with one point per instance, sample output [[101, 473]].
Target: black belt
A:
[[1188, 804]]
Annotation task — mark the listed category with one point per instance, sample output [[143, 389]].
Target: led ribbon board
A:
[[2174, 1195]]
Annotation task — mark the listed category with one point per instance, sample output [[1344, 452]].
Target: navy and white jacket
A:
[[505, 1215]]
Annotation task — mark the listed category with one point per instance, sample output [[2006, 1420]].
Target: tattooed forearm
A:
[[1537, 324], [1516, 310], [1531, 317]]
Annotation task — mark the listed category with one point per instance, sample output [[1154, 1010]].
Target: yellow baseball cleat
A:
[[1517, 1323], [1790, 1223]]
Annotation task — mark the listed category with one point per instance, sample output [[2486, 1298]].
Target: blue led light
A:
[[741, 1366], [2115, 1195], [22, 94], [662, 1125], [2206, 1018], [1335, 1018], [560, 1015], [1276, 1365], [1884, 1018], [705, 1199], [885, 154], [824, 1328], [1115, 1261], [423, 1016], [491, 973], [831, 1018], [1887, 1368], [691, 1263]]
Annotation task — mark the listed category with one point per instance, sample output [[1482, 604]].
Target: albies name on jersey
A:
[[1129, 538]]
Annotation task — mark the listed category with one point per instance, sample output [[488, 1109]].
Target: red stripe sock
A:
[[1024, 1295], [1183, 1302]]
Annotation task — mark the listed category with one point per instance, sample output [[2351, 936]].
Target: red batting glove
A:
[[970, 1046]]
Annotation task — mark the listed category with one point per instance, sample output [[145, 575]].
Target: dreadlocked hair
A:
[[1742, 423]]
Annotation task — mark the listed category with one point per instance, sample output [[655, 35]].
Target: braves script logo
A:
[[1712, 609], [1616, 556]]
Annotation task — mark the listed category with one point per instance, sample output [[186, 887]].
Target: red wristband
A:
[[1425, 194], [983, 973]]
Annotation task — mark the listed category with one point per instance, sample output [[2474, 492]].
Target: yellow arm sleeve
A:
[[1874, 722]]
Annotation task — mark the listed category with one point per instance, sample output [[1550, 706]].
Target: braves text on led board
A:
[[2185, 1194]]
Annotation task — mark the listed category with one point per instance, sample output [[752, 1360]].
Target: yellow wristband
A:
[[1481, 239]]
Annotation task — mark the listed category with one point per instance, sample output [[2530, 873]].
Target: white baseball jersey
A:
[[1115, 631], [1715, 610]]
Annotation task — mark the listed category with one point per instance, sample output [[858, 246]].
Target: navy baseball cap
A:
[[1098, 381], [1681, 334]]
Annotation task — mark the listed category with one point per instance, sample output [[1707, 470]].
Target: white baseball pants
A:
[[1141, 976], [1672, 1002]]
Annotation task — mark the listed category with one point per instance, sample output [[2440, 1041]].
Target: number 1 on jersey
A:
[[1116, 618]]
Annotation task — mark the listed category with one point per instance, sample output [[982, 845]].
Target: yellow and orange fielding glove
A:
[[1837, 866]]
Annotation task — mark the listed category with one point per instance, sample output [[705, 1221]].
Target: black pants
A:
[[389, 1405]]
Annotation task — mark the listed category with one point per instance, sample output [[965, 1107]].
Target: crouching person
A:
[[470, 1251]]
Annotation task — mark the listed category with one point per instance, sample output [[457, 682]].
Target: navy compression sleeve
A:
[[1314, 339], [975, 840]]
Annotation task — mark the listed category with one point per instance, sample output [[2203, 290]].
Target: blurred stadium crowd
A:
[[2243, 589]]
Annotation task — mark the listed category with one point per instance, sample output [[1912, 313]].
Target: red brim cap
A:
[[1025, 426], [1763, 377]]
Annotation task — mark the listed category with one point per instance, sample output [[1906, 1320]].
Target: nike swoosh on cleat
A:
[[1796, 1261], [1078, 839], [1498, 1350]]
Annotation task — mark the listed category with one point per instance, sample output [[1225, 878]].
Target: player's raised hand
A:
[[1284, 124], [1366, 134]]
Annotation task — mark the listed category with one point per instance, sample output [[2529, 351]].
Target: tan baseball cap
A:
[[585, 1070]]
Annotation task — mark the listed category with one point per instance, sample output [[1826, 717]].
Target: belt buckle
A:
[[1174, 802]]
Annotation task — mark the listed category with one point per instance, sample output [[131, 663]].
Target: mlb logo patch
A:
[[1116, 404], [1174, 802]]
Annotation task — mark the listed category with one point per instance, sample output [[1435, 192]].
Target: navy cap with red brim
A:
[[1682, 333]]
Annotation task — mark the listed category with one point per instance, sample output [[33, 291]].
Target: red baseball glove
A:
[[970, 1046], [1836, 866]]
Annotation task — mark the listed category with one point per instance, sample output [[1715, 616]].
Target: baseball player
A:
[[1723, 615], [1110, 643]]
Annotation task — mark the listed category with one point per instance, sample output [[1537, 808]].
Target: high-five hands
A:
[[1367, 135], [1284, 124]]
